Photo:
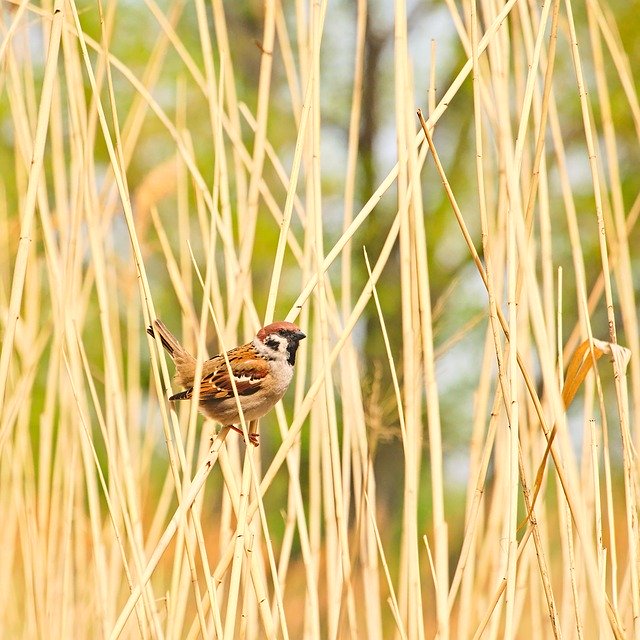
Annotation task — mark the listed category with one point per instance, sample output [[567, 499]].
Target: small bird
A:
[[262, 370]]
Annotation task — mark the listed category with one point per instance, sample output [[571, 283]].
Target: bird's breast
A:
[[281, 376]]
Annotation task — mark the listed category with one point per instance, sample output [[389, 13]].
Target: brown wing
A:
[[216, 385]]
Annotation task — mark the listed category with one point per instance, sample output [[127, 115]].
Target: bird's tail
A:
[[169, 341], [184, 361]]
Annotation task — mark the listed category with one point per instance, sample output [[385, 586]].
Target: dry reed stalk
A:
[[92, 535]]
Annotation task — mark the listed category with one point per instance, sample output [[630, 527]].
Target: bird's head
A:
[[281, 340]]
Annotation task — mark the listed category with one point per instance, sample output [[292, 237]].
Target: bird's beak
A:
[[300, 335]]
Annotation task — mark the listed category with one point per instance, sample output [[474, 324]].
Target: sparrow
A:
[[262, 370]]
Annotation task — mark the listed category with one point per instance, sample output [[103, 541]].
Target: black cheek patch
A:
[[272, 343]]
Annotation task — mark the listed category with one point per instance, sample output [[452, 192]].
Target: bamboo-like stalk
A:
[[22, 257]]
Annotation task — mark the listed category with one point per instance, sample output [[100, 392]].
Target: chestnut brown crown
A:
[[283, 328]]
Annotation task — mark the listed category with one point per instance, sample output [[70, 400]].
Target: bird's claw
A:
[[253, 437]]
